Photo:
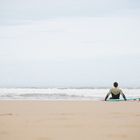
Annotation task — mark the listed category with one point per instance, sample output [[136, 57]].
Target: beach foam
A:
[[60, 93]]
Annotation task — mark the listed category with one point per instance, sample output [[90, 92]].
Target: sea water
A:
[[61, 93]]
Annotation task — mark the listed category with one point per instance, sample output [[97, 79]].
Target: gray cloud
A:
[[44, 9]]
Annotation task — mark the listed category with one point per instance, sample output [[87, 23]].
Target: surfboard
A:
[[128, 99]]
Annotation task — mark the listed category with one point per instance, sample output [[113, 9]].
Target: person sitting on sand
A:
[[115, 92]]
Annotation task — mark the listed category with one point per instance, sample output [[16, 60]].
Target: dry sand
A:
[[71, 120]]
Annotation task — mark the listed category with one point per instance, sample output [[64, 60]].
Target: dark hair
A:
[[115, 84]]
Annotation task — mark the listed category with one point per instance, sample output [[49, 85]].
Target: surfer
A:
[[115, 92]]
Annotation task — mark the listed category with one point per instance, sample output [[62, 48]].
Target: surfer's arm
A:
[[107, 95], [123, 95]]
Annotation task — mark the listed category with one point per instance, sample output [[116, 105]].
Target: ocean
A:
[[61, 93]]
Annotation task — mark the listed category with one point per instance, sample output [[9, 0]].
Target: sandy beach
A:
[[71, 120]]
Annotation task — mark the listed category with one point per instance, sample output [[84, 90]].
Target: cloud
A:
[[71, 38], [44, 9]]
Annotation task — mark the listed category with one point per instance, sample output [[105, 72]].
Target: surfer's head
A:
[[115, 84]]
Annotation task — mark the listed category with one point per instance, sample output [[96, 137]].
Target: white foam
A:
[[59, 94]]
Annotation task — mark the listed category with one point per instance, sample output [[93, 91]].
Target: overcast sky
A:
[[61, 43]]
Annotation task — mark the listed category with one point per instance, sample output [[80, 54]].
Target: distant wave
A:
[[59, 94]]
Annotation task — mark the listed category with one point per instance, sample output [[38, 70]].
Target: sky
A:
[[77, 43]]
